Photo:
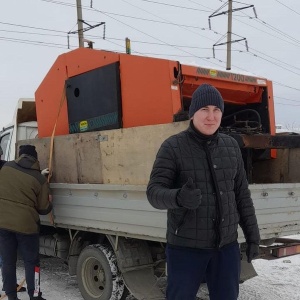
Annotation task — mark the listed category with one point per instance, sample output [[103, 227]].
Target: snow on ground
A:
[[277, 279]]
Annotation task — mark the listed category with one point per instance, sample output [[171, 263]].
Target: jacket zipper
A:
[[218, 202]]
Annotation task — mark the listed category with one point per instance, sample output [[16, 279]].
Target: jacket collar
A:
[[28, 162], [200, 137]]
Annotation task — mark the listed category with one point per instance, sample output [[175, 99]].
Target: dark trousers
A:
[[187, 268], [28, 245]]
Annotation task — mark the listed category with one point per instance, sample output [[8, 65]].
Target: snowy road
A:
[[278, 280]]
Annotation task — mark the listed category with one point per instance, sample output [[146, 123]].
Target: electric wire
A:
[[172, 5], [190, 54], [152, 36], [288, 7]]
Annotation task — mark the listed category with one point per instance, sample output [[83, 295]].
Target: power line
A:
[[286, 86], [277, 30], [32, 33], [152, 36], [276, 59], [200, 5], [288, 7], [32, 27], [155, 21], [287, 104], [178, 25], [277, 37], [158, 44], [162, 43], [271, 27], [172, 5], [39, 43], [287, 99]]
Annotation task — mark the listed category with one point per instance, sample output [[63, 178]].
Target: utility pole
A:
[[80, 25], [229, 41], [228, 63]]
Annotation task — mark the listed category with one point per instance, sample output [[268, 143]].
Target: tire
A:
[[98, 276]]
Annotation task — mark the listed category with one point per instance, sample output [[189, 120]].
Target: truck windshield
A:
[[4, 142]]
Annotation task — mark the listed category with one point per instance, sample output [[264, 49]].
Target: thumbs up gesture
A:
[[189, 197]]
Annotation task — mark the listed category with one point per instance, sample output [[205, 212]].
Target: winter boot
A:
[[39, 297]]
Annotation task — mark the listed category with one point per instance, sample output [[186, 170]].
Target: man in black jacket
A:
[[199, 177]]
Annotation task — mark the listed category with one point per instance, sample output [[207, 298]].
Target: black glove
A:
[[189, 197], [252, 251]]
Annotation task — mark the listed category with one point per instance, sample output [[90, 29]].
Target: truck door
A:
[[5, 142]]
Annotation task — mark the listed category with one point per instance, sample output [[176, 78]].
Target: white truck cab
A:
[[22, 127]]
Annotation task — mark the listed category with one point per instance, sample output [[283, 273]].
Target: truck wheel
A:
[[98, 276]]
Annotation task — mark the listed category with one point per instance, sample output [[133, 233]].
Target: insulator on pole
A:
[[254, 11], [209, 24]]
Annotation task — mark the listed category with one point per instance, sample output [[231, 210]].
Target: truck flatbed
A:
[[123, 210]]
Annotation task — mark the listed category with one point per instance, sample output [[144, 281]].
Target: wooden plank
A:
[[120, 156], [76, 157]]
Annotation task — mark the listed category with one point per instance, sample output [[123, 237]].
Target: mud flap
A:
[[142, 284], [137, 267]]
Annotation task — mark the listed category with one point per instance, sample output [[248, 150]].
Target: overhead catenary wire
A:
[[65, 3], [154, 20], [284, 98], [277, 37], [173, 5], [291, 9], [271, 60], [152, 36], [30, 42], [175, 24]]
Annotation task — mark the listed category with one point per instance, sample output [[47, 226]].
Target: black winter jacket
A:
[[215, 164]]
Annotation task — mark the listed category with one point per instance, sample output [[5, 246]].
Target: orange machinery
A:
[[135, 91]]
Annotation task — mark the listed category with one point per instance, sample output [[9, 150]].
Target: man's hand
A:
[[189, 197], [252, 251], [45, 172]]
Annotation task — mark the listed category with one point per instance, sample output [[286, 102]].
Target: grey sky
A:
[[34, 32]]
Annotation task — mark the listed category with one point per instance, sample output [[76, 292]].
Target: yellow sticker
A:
[[213, 73], [83, 126]]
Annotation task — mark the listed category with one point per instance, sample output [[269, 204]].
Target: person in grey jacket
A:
[[199, 177], [24, 195], [19, 288]]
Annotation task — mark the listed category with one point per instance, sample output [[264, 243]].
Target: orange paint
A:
[[150, 91]]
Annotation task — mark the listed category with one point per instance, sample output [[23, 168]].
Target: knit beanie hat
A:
[[205, 95], [29, 150]]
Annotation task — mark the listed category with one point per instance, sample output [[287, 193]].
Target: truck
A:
[[97, 121]]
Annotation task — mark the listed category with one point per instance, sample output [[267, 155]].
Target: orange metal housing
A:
[[146, 89], [152, 89]]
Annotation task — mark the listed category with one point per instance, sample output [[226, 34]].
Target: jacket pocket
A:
[[179, 218]]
